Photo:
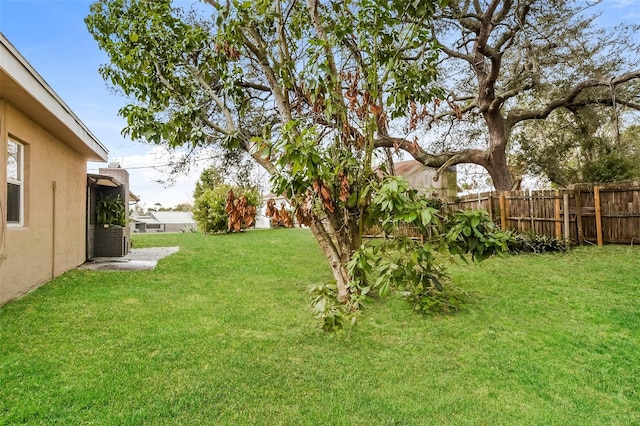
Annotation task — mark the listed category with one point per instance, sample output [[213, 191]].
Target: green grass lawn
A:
[[220, 333]]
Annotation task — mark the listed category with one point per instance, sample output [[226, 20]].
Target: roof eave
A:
[[27, 91]]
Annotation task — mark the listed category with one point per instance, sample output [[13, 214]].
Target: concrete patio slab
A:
[[143, 259]]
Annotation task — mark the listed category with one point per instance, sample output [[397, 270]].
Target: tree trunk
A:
[[499, 171], [333, 259], [496, 163]]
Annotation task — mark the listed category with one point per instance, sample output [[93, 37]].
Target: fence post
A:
[[596, 198], [567, 231], [577, 194], [503, 211], [557, 214], [490, 206], [532, 222]]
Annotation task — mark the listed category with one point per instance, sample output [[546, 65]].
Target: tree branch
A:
[[569, 98], [501, 98], [214, 97], [476, 156], [312, 6], [508, 36], [213, 3], [250, 85], [451, 112], [502, 13], [454, 53], [467, 19], [260, 54]]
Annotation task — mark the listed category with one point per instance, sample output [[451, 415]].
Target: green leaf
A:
[[475, 221], [426, 217], [266, 152], [385, 289]]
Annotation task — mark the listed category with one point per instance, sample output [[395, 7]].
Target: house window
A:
[[153, 227], [15, 183]]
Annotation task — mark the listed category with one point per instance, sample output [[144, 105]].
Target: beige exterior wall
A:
[[446, 186], [52, 239]]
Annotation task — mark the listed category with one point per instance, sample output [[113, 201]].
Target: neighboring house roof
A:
[[410, 167], [407, 168], [172, 217], [143, 219], [26, 90]]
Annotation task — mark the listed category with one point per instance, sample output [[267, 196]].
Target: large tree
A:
[[580, 146], [308, 89], [507, 63]]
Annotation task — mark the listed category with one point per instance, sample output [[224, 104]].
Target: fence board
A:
[[578, 210], [579, 214]]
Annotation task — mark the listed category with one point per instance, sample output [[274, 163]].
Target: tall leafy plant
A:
[[110, 210]]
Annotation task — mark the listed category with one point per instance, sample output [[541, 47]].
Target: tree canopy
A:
[[310, 90], [506, 65], [573, 147]]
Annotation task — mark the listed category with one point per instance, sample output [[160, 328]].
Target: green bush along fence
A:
[[591, 213]]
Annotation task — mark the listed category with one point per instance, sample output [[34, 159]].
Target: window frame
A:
[[19, 182]]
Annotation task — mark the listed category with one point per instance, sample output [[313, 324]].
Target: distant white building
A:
[[163, 222]]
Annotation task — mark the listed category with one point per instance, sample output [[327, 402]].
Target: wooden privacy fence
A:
[[603, 213]]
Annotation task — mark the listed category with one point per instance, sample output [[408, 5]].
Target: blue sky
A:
[[52, 36]]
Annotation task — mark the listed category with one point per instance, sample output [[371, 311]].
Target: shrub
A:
[[328, 311], [533, 243], [400, 263], [189, 228], [612, 167], [209, 207], [472, 232]]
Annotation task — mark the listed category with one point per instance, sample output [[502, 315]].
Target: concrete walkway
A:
[[143, 259]]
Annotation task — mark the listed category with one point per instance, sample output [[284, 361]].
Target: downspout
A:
[[3, 216], [53, 232], [88, 222]]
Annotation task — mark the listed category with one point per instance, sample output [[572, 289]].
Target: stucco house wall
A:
[[56, 146]]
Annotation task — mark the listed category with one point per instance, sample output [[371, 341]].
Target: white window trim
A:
[[19, 182]]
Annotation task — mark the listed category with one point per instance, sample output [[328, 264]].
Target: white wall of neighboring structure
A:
[[163, 222]]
